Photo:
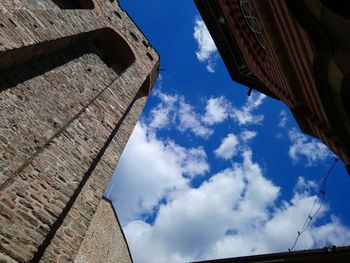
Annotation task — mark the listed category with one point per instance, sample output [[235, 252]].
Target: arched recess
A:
[[74, 4], [117, 53], [113, 50]]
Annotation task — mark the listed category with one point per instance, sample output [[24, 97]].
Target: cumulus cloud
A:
[[220, 109], [207, 51], [149, 169], [161, 114], [305, 148], [174, 110], [189, 120], [228, 147], [233, 144], [245, 115], [217, 110], [234, 213], [248, 135]]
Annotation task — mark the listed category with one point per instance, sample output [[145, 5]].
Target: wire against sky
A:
[[319, 200]]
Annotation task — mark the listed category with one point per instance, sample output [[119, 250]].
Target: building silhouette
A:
[[294, 51], [74, 77], [323, 255]]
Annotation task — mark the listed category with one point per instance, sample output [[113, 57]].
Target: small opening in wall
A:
[[145, 43], [13, 23], [74, 4], [118, 14], [1, 25], [134, 36], [149, 56]]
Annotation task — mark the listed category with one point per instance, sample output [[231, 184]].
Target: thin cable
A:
[[319, 199]]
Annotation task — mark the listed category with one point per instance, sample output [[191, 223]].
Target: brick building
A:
[[322, 255], [294, 51], [74, 77]]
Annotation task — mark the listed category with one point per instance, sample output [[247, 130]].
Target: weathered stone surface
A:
[[72, 86], [104, 241]]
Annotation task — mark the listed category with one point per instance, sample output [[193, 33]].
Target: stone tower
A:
[[74, 77]]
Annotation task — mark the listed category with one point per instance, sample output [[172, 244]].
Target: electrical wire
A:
[[319, 200]]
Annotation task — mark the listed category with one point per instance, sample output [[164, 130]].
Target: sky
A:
[[209, 172]]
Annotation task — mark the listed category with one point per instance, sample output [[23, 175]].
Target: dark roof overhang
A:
[[322, 255]]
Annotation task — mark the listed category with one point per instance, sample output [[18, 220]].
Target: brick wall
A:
[[73, 83], [289, 64]]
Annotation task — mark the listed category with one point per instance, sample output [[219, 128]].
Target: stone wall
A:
[[104, 241], [73, 82]]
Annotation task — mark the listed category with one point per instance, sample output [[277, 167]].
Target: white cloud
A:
[[173, 109], [228, 148], [246, 135], [283, 119], [217, 110], [244, 115], [149, 169], [232, 145], [234, 213], [303, 147], [189, 120], [207, 51], [160, 115], [304, 185]]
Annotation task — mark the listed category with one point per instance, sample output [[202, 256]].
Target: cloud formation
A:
[[207, 51], [232, 144], [283, 119], [306, 148], [234, 213], [189, 120], [149, 169], [173, 109], [245, 115], [228, 147], [219, 109]]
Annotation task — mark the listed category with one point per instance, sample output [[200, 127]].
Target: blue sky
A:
[[210, 172]]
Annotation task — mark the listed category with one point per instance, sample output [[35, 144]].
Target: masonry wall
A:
[[74, 77], [104, 241]]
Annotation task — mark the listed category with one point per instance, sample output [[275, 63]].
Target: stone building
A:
[[294, 51], [74, 77]]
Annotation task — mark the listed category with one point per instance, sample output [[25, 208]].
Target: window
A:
[[252, 21]]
